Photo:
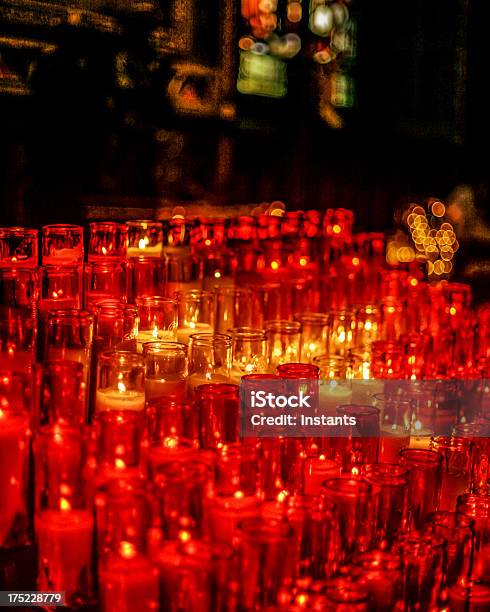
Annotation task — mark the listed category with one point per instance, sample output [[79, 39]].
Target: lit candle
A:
[[128, 582], [227, 511], [316, 471], [145, 249], [183, 333], [119, 399], [64, 540], [174, 287], [155, 335], [363, 391], [392, 439], [155, 388], [14, 455], [195, 380]]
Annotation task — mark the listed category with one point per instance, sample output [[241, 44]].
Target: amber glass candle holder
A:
[[283, 342], [145, 238], [62, 245], [18, 247], [425, 476], [103, 280], [15, 434], [196, 314], [63, 519], [341, 332], [120, 381], [107, 241], [166, 370]]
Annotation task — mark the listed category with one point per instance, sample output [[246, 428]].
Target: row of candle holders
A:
[[121, 456]]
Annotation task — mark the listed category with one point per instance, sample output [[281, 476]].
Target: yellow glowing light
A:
[[355, 261], [127, 550], [452, 310], [104, 251], [274, 265], [170, 442], [141, 243], [238, 494], [64, 504], [414, 282], [207, 242], [184, 536], [217, 274], [355, 471], [121, 387], [336, 229], [303, 261], [417, 425], [120, 464]]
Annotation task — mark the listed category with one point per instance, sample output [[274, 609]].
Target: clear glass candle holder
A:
[[197, 310], [146, 276], [114, 322], [62, 245], [145, 238], [157, 320], [120, 381], [341, 332], [18, 247], [103, 280], [166, 370], [15, 435], [63, 521], [366, 325], [107, 241], [314, 335], [248, 348], [209, 359], [283, 342], [234, 308]]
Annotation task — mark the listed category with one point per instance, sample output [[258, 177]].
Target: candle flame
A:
[[121, 387], [184, 536], [64, 505], [417, 425], [238, 494], [217, 274], [142, 243], [104, 251], [127, 550], [355, 471]]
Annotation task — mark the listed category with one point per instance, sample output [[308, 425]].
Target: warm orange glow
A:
[[274, 265], [336, 229], [64, 504], [127, 550]]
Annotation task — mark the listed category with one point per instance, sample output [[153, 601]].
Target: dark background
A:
[[418, 128]]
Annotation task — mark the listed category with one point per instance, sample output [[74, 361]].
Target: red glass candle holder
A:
[[63, 520], [425, 475], [356, 444], [477, 507], [283, 342], [17, 340], [341, 332], [120, 381], [62, 245], [314, 335], [18, 247], [60, 394], [15, 433], [181, 490], [396, 416], [387, 360], [114, 322], [196, 314], [392, 319], [379, 573], [127, 576], [166, 370], [103, 280], [146, 276], [266, 561], [61, 287], [353, 498], [172, 418], [390, 490], [456, 468], [218, 407], [422, 557], [457, 529], [185, 270], [107, 241], [469, 597]]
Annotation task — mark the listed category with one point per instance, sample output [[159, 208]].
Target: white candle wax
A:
[[64, 549], [159, 335], [63, 257], [195, 380], [14, 453], [184, 333], [113, 399], [145, 250]]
